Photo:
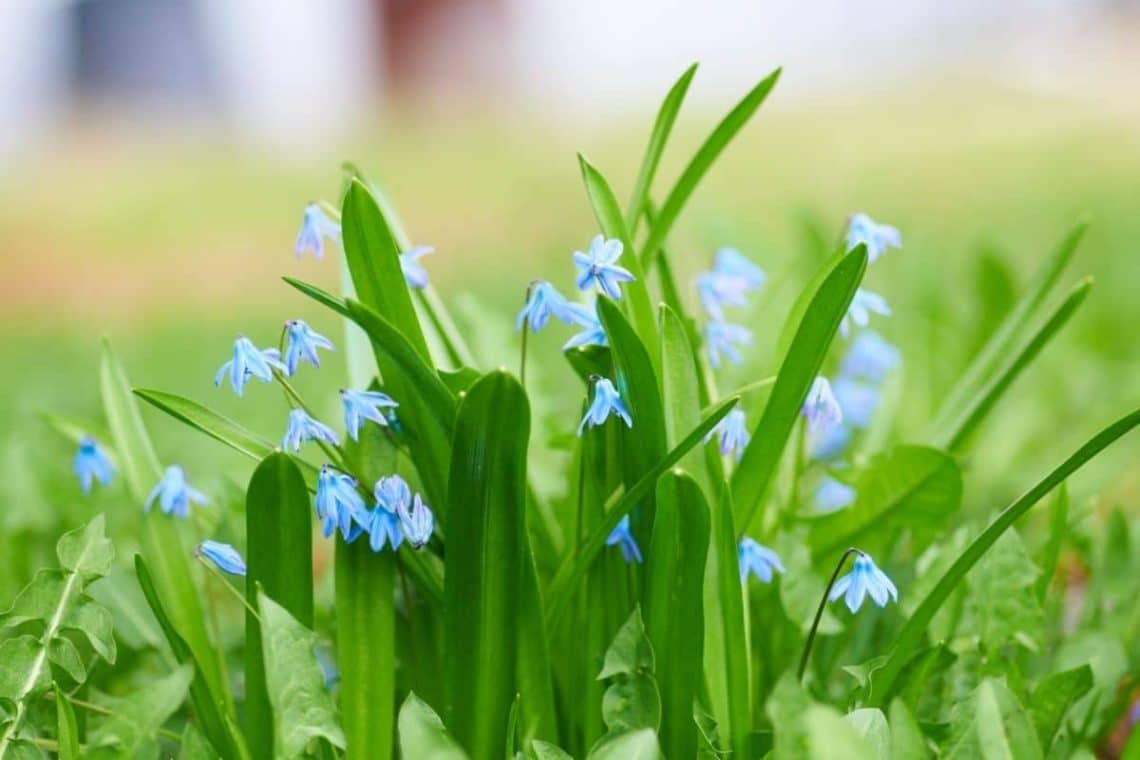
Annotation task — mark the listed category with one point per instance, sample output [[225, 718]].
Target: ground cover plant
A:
[[716, 570]]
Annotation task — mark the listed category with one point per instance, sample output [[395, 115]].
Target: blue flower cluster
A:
[[727, 284], [396, 514]]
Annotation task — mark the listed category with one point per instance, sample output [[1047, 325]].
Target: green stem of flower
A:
[[525, 329], [225, 582], [819, 612], [294, 400]]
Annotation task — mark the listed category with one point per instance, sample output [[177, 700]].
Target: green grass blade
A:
[[751, 480], [666, 117], [910, 638], [1009, 332], [800, 306], [637, 383], [736, 663], [674, 611], [700, 164], [610, 220], [279, 539], [1058, 529], [619, 504], [319, 295], [482, 573], [161, 542], [954, 436]]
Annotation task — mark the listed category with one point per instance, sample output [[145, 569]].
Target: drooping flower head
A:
[[732, 263], [877, 237], [870, 358], [830, 443], [92, 463], [339, 504], [316, 227], [722, 338], [414, 273], [392, 496], [758, 560], [599, 266], [222, 556], [302, 342], [862, 305], [606, 401], [303, 428], [623, 538], [857, 400], [364, 405], [174, 494], [832, 495], [732, 433], [719, 291], [592, 334], [249, 361], [543, 303], [864, 579], [417, 521], [820, 408]]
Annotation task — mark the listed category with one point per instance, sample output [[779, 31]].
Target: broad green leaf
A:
[[135, 720], [736, 665], [907, 742], [574, 568], [302, 706], [910, 637], [632, 702], [1000, 605], [871, 726], [909, 488], [990, 724], [609, 217], [832, 736], [631, 745], [631, 650], [674, 610], [761, 458], [86, 552], [958, 430], [732, 123], [662, 127], [67, 729], [1010, 332], [161, 542], [422, 733], [537, 716], [787, 707], [1058, 529], [482, 571], [279, 541], [1053, 697], [547, 751]]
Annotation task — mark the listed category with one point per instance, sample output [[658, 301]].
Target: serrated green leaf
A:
[[422, 733], [991, 724], [67, 728], [1000, 604], [87, 551], [1053, 697], [63, 654], [22, 671], [133, 622], [302, 706], [134, 720]]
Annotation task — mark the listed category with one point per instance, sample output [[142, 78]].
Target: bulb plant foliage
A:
[[725, 572]]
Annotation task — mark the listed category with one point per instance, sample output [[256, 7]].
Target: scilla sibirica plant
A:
[[721, 568]]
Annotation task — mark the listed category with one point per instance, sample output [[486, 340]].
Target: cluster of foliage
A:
[[673, 600]]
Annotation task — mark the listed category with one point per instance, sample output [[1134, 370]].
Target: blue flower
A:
[[830, 443], [857, 400], [877, 237], [831, 495], [621, 537], [417, 521], [864, 579], [339, 504], [302, 342], [860, 310], [593, 333], [720, 337], [870, 358], [717, 291], [392, 496], [544, 302], [732, 432], [758, 560], [303, 428], [414, 273], [364, 405], [248, 361], [820, 408], [732, 263], [600, 266], [92, 463], [606, 401], [222, 556], [174, 494], [316, 227]]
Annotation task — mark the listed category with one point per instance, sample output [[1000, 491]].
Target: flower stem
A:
[[819, 612], [522, 348], [225, 582]]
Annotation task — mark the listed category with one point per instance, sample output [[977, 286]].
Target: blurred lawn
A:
[[174, 248]]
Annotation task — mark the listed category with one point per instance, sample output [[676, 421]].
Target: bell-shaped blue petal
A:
[[606, 401], [592, 334], [249, 361], [174, 494], [414, 273], [870, 358], [303, 428], [722, 338], [339, 504], [384, 529], [364, 405], [222, 556], [862, 306], [544, 302], [732, 434], [877, 237], [718, 292], [301, 343], [832, 495], [92, 463], [417, 521], [857, 400], [392, 493], [821, 408], [863, 580], [829, 443], [316, 227], [599, 267], [759, 560], [731, 263], [623, 538]]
